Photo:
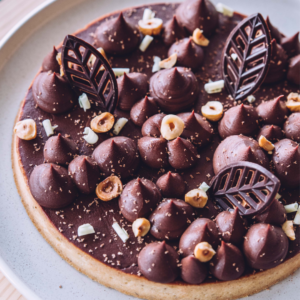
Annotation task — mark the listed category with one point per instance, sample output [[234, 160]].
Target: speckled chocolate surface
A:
[[105, 245]]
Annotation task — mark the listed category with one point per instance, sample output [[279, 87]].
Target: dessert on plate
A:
[[157, 151]]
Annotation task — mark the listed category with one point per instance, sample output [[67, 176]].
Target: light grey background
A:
[[21, 246]]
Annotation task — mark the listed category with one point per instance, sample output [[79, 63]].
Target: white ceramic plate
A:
[[25, 257]]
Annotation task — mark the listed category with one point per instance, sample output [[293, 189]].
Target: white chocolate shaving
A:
[[234, 56], [224, 9], [291, 207], [297, 217], [48, 127], [90, 136], [156, 66], [148, 14], [251, 99], [146, 42], [204, 187], [119, 125], [120, 71], [85, 229], [121, 232], [84, 102], [214, 87], [278, 196]]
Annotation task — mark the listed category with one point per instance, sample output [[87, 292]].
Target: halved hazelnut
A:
[[168, 62], [171, 127], [103, 122], [109, 188], [151, 26], [204, 252], [197, 198], [293, 103], [26, 129], [288, 228], [265, 143], [140, 227], [212, 110], [62, 73], [58, 58], [199, 38]]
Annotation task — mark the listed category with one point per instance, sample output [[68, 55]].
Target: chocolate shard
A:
[[275, 34], [291, 45], [189, 54], [192, 270], [143, 110], [59, 150], [293, 74], [97, 81], [292, 127], [228, 263], [172, 31], [245, 185], [243, 76], [170, 219], [158, 262], [153, 151], [132, 87], [51, 186], [152, 126], [273, 111], [265, 246], [241, 119], [138, 199], [171, 185], [273, 133], [50, 62]]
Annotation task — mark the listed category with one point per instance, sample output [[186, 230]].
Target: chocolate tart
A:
[[103, 256]]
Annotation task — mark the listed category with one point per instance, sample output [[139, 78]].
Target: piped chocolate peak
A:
[[138, 199], [286, 158], [172, 31], [265, 246], [188, 53], [142, 110], [117, 155], [275, 34], [201, 230], [238, 148], [170, 219], [85, 173], [273, 111], [291, 44], [50, 63], [174, 89], [182, 153], [272, 133], [59, 150], [201, 14], [292, 127], [171, 185], [196, 128], [117, 36], [293, 74], [241, 119], [52, 93], [228, 263], [192, 270], [51, 186], [132, 87], [158, 262], [231, 226]]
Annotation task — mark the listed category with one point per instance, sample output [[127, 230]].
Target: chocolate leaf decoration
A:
[[246, 57], [245, 185], [88, 71]]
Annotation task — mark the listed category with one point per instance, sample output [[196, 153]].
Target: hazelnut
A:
[[265, 143], [288, 228], [171, 127], [58, 58], [103, 122], [168, 62], [197, 198], [212, 110], [199, 38], [26, 129], [151, 26], [109, 188], [204, 252], [140, 227], [293, 102]]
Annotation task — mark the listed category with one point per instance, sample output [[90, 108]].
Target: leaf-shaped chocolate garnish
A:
[[245, 185], [88, 71], [246, 57]]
